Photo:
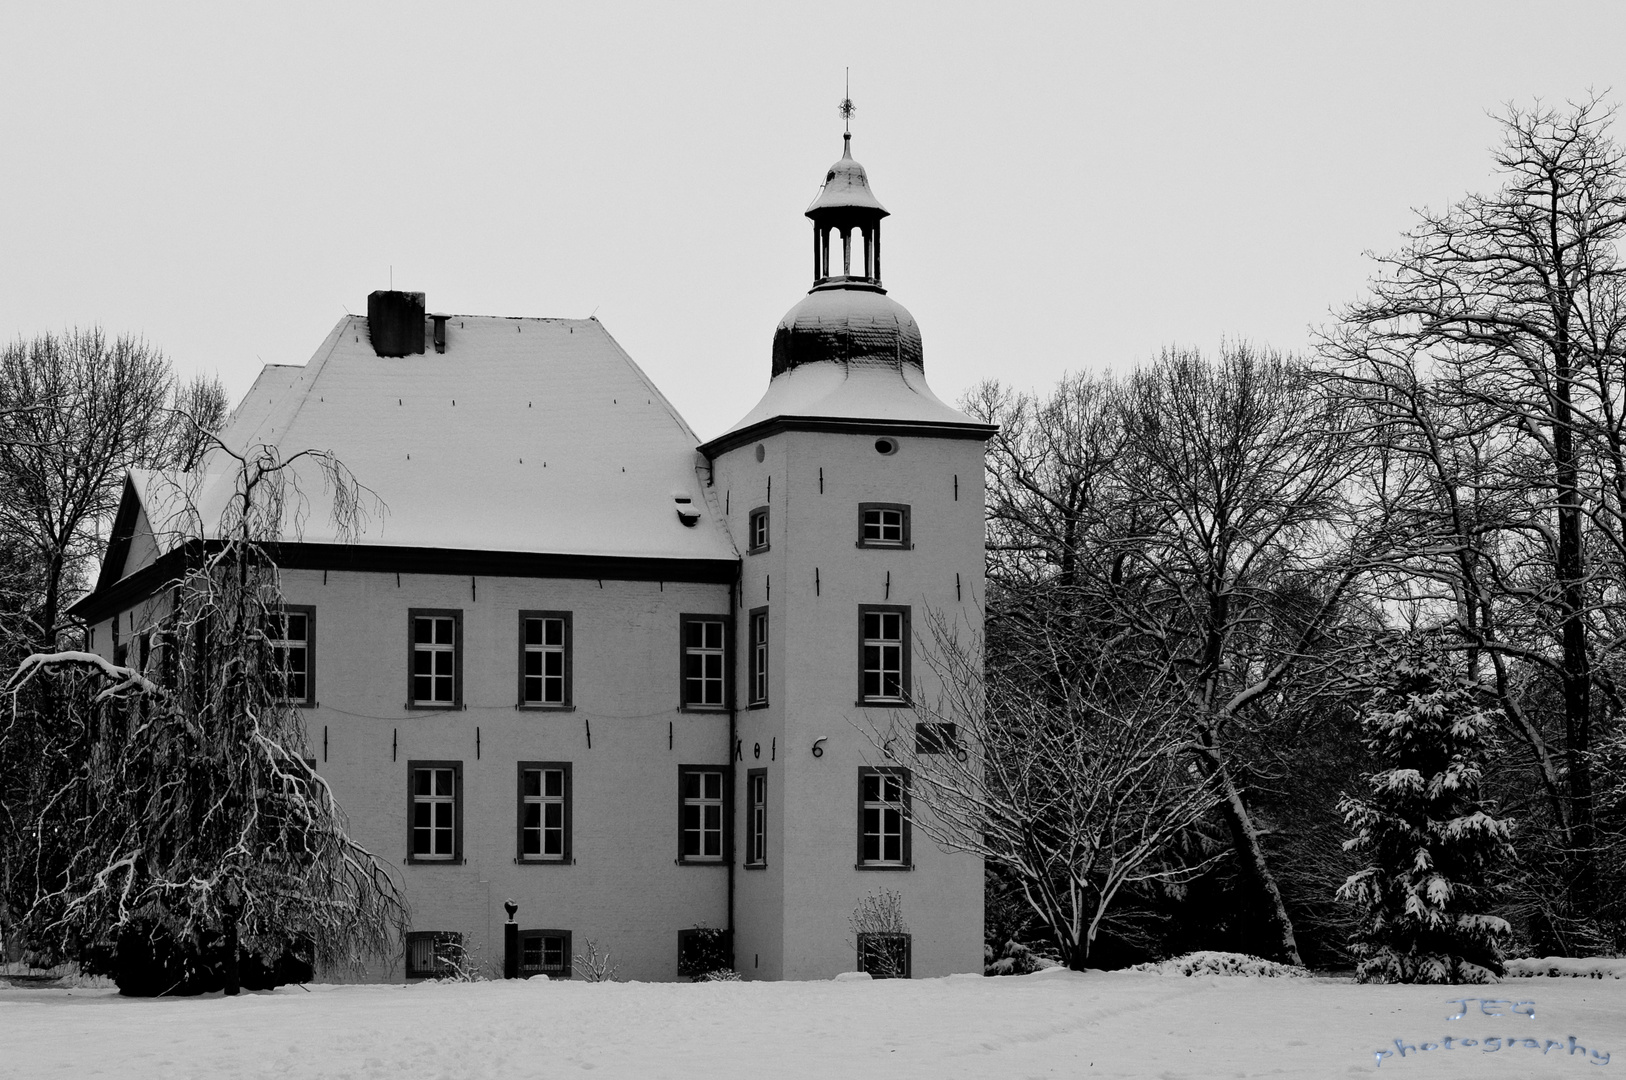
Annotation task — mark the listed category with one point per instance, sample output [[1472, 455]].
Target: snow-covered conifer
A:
[[1431, 842]]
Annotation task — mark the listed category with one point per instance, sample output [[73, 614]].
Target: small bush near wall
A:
[[703, 951]]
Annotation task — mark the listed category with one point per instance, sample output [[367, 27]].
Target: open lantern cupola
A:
[[847, 227]]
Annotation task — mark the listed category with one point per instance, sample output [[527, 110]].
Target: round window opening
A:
[[886, 446], [761, 453]]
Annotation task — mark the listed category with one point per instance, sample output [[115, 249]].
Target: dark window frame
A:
[[904, 527], [726, 841], [905, 673], [908, 953], [906, 839], [756, 837], [456, 615], [685, 620], [760, 514], [569, 702], [309, 611], [437, 938], [542, 934], [756, 656], [456, 858], [568, 855]]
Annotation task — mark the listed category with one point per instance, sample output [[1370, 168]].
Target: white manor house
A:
[[591, 665]]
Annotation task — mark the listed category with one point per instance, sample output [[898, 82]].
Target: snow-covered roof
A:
[[525, 435], [853, 391]]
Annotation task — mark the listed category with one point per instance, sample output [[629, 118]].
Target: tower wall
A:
[[792, 917]]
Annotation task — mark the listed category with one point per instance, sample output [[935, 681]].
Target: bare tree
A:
[[1193, 522], [1077, 788], [1239, 576], [76, 411], [175, 796], [1491, 352]]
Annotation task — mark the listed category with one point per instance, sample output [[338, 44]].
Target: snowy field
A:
[[1055, 1023]]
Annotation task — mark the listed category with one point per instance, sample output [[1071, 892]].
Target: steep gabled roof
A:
[[525, 436]]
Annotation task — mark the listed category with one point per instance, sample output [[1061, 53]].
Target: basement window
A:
[[544, 952]]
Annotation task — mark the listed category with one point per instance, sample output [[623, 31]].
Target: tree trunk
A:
[[1575, 663], [1277, 928], [234, 978]]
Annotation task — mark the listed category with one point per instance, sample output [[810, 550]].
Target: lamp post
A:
[[510, 942]]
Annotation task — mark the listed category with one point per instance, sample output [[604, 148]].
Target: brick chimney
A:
[[395, 322]]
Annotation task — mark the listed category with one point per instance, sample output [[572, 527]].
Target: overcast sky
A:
[[1071, 186]]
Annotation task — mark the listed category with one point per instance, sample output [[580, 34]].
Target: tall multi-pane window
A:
[[759, 656], [756, 801], [292, 636], [544, 659], [705, 663], [883, 525], [544, 811], [883, 653], [883, 817], [436, 659], [700, 814], [757, 531], [434, 792]]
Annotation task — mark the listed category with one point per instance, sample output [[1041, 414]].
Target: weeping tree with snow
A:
[[174, 828], [1430, 840]]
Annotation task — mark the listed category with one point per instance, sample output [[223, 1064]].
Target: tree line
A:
[[1297, 578]]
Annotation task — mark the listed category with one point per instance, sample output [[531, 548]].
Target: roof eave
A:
[[845, 425]]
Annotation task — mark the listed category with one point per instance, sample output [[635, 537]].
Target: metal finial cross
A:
[[847, 106]]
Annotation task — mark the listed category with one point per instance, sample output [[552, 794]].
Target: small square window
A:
[[292, 636], [883, 819], [702, 814], [434, 811], [433, 954], [883, 654], [883, 525], [758, 682], [435, 677], [545, 660], [705, 661], [757, 531], [884, 956], [544, 811], [544, 952]]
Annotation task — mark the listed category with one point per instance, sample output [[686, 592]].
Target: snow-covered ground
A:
[[1055, 1023]]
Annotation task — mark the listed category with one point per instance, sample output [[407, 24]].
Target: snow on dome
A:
[[831, 391], [854, 326]]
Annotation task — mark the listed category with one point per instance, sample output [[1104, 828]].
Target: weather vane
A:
[[847, 106]]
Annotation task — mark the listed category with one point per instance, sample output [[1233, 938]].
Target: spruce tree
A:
[[1431, 842]]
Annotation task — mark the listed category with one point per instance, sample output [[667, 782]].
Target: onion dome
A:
[[851, 326]]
